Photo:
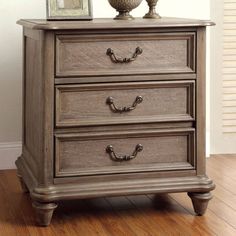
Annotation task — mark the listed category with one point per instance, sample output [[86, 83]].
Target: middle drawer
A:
[[124, 103]]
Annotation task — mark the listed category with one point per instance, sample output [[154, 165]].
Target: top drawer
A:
[[99, 55]]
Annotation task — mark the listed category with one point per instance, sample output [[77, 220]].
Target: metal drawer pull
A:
[[111, 54], [115, 157], [114, 108]]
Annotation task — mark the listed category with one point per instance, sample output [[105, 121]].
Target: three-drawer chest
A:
[[113, 108]]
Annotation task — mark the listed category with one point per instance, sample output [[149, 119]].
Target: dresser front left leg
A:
[[44, 212], [200, 202]]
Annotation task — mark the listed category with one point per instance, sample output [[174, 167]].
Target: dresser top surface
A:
[[107, 23]]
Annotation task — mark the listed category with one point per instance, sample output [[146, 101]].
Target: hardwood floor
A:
[[134, 215]]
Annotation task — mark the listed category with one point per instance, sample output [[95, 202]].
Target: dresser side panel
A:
[[33, 106], [37, 105]]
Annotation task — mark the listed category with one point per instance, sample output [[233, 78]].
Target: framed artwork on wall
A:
[[69, 10]]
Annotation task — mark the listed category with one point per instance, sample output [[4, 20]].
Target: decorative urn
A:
[[124, 7], [152, 10]]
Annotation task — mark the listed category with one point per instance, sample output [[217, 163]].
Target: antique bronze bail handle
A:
[[114, 108], [115, 157], [115, 59]]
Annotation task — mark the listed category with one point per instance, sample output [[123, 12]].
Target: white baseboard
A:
[[8, 154]]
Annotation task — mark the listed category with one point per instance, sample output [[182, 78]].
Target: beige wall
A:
[[10, 48]]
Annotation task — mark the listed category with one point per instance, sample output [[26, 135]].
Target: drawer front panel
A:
[[101, 153], [78, 105], [78, 55]]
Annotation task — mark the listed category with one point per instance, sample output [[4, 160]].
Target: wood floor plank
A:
[[21, 208], [226, 196], [218, 225], [6, 224], [182, 215], [162, 212], [223, 181], [12, 203], [160, 218], [78, 219], [126, 216], [140, 224], [224, 211], [113, 223], [223, 167]]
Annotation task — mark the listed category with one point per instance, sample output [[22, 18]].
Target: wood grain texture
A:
[[67, 124], [87, 104], [124, 127], [33, 88], [123, 78], [86, 154], [111, 24], [38, 102], [79, 55], [118, 187], [48, 55], [170, 214], [201, 101]]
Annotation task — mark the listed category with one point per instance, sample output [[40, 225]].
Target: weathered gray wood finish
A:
[[68, 123], [79, 55], [86, 154], [80, 105]]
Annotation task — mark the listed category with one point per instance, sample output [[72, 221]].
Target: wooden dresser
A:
[[113, 108]]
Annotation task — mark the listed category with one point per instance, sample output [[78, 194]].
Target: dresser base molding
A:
[[66, 191], [128, 187]]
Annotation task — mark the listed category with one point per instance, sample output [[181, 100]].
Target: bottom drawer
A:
[[124, 152]]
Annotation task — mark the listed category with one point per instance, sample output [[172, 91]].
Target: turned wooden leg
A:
[[200, 202], [23, 185], [44, 212]]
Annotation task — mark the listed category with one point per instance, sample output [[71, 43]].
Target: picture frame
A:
[[69, 10]]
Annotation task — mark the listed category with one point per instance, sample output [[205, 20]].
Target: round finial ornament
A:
[[152, 14]]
